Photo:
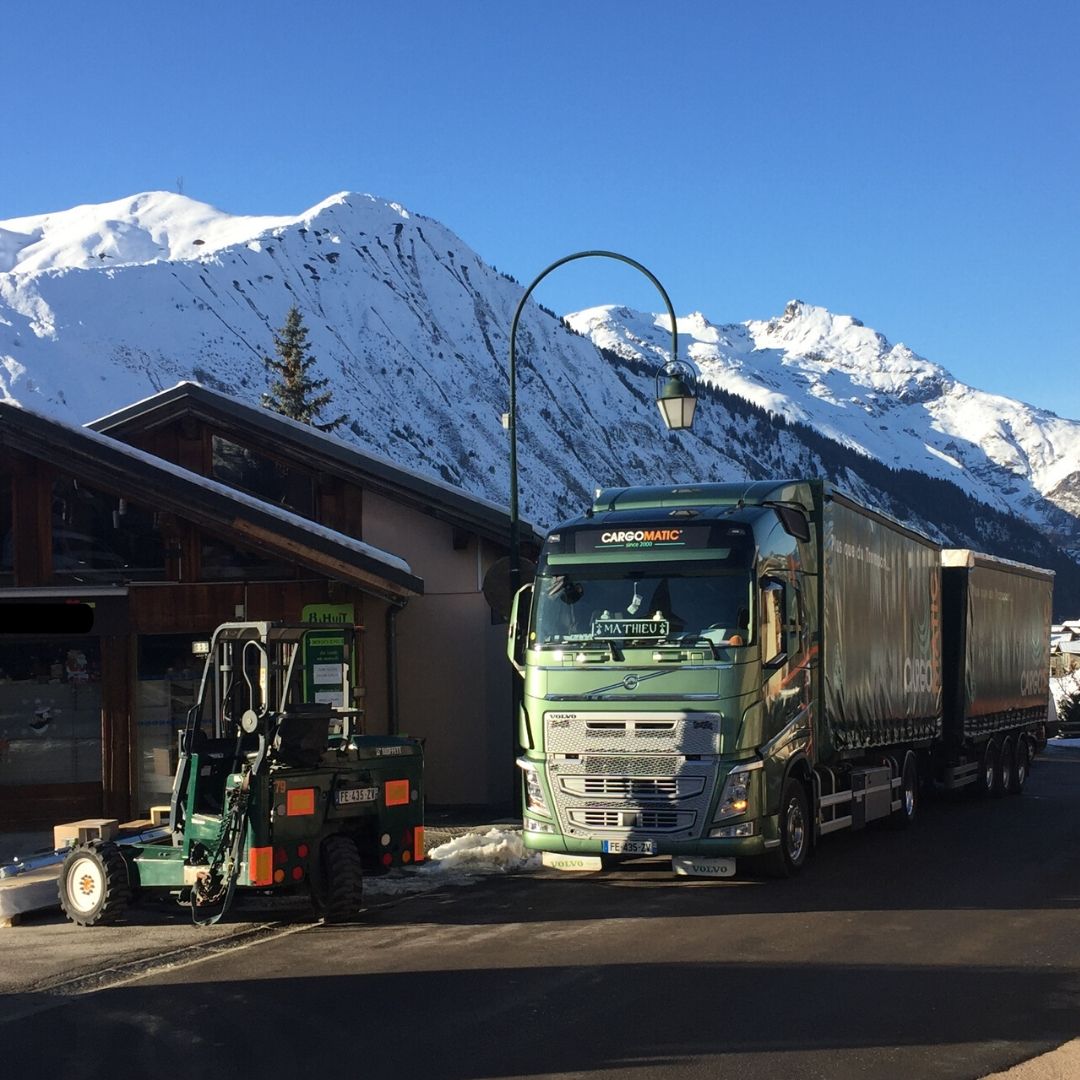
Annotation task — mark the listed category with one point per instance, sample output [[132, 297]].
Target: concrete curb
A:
[[1060, 1064]]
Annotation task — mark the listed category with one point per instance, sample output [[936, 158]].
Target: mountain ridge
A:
[[410, 325]]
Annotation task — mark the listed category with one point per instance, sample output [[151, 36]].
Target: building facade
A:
[[191, 509]]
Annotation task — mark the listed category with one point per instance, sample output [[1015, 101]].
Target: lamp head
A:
[[675, 394]]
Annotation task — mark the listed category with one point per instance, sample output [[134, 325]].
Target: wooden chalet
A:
[[192, 508]]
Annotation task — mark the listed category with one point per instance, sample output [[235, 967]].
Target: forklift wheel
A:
[[342, 880], [94, 888]]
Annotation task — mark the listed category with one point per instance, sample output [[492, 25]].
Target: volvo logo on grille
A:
[[631, 682]]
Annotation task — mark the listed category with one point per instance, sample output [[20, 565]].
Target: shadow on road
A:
[[487, 1022], [1015, 853]]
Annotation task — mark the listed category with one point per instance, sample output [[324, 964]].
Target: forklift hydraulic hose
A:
[[230, 843]]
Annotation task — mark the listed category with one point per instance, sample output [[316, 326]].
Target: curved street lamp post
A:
[[674, 391]]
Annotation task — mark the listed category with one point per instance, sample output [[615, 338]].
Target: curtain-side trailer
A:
[[725, 672]]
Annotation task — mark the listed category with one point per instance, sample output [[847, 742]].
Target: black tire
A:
[[796, 829], [1021, 765], [342, 880], [1005, 763], [988, 770], [909, 794], [94, 887]]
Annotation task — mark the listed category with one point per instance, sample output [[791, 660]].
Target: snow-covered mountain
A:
[[851, 384], [103, 305]]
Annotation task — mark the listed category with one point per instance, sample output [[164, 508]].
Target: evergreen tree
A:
[[294, 393]]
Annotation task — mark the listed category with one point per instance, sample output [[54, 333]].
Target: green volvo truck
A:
[[725, 673]]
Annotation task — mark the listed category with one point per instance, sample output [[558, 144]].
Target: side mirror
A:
[[516, 639]]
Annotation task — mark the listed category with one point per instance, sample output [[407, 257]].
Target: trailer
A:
[[996, 670], [725, 673]]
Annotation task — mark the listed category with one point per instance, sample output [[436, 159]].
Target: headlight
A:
[[534, 790], [735, 798]]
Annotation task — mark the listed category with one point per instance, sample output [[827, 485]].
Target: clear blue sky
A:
[[916, 164]]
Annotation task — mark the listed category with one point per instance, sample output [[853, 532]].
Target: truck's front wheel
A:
[[795, 825]]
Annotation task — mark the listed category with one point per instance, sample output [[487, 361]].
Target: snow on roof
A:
[[285, 516], [333, 443]]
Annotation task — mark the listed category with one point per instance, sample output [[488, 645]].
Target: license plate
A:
[[628, 847], [343, 796]]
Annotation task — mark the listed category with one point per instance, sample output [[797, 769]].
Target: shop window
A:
[[167, 681], [50, 712], [273, 481], [101, 538]]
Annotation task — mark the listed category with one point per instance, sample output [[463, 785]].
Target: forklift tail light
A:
[[418, 844], [261, 865], [397, 793]]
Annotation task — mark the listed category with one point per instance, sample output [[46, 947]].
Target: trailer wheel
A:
[[1003, 781], [986, 783], [342, 886], [909, 794], [1021, 762], [795, 831], [94, 888]]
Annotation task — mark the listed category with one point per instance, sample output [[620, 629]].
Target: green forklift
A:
[[277, 789]]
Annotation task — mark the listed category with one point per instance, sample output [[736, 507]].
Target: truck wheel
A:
[[93, 886], [342, 891], [795, 831], [1021, 761], [988, 771], [1006, 760], [909, 794]]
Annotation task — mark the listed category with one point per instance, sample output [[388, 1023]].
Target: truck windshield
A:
[[645, 606]]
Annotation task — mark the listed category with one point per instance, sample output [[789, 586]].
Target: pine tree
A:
[[294, 393]]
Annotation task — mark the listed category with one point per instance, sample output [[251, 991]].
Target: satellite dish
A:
[[497, 584]]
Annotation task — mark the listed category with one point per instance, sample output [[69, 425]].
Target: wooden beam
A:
[[31, 510]]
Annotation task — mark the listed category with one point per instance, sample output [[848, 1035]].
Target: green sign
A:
[[326, 662]]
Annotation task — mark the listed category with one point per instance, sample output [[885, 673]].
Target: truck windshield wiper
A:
[[614, 652], [689, 641]]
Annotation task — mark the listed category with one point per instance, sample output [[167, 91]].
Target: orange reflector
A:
[[397, 792], [406, 856], [418, 844], [279, 876], [300, 801], [261, 865]]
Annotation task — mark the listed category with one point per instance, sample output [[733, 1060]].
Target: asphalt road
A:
[[950, 950]]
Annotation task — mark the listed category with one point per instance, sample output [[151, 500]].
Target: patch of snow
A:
[[461, 861]]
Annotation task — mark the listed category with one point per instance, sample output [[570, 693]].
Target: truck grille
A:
[[647, 820], [633, 788]]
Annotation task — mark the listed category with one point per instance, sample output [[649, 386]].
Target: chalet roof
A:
[[319, 450], [238, 517]]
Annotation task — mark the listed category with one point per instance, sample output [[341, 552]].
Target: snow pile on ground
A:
[[461, 861]]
